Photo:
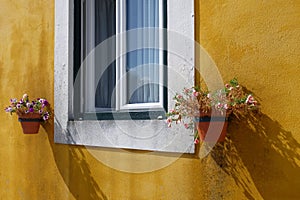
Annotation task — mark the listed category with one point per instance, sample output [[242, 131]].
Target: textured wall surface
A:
[[256, 41]]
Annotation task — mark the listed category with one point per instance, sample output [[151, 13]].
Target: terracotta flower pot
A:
[[30, 122], [212, 128]]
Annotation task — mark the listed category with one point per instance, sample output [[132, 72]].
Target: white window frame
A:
[[121, 71], [88, 79], [124, 133]]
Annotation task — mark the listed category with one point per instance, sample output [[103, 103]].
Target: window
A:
[[120, 80], [133, 82]]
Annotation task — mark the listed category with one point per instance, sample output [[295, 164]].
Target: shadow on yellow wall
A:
[[72, 160], [260, 151]]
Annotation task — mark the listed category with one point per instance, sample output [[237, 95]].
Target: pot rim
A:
[[211, 119]]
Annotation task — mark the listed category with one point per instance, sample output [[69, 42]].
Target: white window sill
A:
[[152, 135]]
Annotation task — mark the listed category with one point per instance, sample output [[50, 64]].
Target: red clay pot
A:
[[30, 122], [216, 125]]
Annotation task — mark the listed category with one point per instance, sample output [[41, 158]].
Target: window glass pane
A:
[[142, 64], [105, 27]]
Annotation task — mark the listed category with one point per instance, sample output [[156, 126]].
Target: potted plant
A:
[[30, 113], [210, 110]]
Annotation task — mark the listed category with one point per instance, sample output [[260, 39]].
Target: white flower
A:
[[25, 96], [14, 100], [9, 109], [225, 106]]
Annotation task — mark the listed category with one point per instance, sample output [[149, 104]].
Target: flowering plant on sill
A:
[[195, 102], [24, 106]]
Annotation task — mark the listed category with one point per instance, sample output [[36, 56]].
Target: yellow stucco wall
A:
[[256, 41]]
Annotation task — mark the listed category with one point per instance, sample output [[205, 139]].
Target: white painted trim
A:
[[89, 74], [122, 99], [140, 106], [63, 61], [139, 134], [120, 92]]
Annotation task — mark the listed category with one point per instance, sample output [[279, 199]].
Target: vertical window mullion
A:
[[82, 55], [90, 62], [120, 49], [161, 52]]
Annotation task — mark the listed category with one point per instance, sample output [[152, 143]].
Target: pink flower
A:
[[45, 102], [14, 100], [45, 117], [186, 90], [195, 93], [196, 141], [186, 126], [227, 85], [179, 96], [250, 99], [8, 109], [169, 120]]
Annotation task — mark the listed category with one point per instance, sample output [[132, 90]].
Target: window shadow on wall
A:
[[259, 154], [74, 168]]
